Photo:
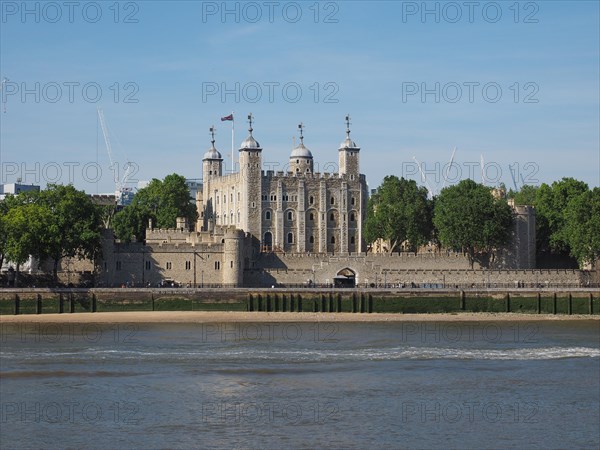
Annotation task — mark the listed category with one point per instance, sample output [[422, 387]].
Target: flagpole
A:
[[232, 141]]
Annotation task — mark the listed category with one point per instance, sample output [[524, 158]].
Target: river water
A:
[[255, 385]]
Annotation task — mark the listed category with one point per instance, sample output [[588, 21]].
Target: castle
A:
[[298, 210], [299, 227]]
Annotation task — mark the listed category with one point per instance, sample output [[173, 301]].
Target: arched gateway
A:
[[345, 278]]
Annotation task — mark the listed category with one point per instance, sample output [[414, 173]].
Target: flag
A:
[[229, 117]]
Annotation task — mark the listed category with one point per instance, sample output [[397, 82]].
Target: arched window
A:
[[311, 239], [332, 201], [290, 238], [332, 217], [352, 239], [290, 216], [311, 200], [352, 201], [311, 216], [268, 215], [352, 217], [333, 239]]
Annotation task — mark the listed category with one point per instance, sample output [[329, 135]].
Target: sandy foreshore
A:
[[221, 316]]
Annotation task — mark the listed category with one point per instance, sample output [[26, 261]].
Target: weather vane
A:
[[212, 135], [301, 127], [250, 122]]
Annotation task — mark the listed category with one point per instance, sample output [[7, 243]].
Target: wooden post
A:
[[508, 302], [38, 305], [331, 302], [339, 303], [299, 303], [591, 305], [71, 302], [539, 303], [370, 305], [554, 304], [284, 303], [354, 303], [17, 305], [362, 302], [570, 305], [250, 302], [462, 300], [94, 303], [61, 303], [292, 306], [152, 300], [269, 306], [276, 308]]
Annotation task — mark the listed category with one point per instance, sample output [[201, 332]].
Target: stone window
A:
[[290, 215], [311, 216], [333, 239], [148, 265], [352, 217], [332, 201], [286, 198], [231, 264], [224, 198], [188, 265], [332, 217], [297, 161], [217, 265], [169, 265], [311, 239], [311, 200], [268, 215], [353, 201], [352, 239], [119, 266], [253, 204], [290, 238], [351, 177], [238, 196]]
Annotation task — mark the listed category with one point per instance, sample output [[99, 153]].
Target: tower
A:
[[349, 155], [212, 167], [301, 159], [251, 181]]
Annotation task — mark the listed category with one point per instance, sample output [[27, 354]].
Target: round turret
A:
[[301, 159], [233, 257]]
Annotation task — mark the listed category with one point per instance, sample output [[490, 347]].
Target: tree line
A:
[[62, 222], [54, 223], [468, 217]]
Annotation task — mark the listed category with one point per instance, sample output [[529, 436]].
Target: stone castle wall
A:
[[395, 269]]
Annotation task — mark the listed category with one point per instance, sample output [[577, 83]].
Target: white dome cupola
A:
[[301, 159]]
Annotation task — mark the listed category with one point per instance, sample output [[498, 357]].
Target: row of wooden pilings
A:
[[539, 303], [70, 303], [296, 303]]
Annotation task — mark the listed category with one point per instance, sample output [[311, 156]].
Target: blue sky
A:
[[369, 59]]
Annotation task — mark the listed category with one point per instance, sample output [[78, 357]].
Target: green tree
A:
[[582, 227], [74, 227], [551, 203], [26, 231], [399, 211], [526, 195], [162, 201], [469, 218]]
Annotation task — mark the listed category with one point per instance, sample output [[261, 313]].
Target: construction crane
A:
[[2, 83], [123, 193], [449, 167], [424, 178]]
